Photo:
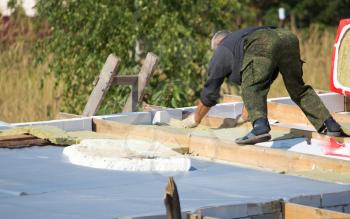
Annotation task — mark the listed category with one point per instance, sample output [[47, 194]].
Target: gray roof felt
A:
[[38, 182]]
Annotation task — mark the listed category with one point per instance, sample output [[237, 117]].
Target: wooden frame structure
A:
[[108, 77]]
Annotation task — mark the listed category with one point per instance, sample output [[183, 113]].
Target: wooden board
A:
[[105, 80], [295, 211], [217, 149], [20, 141], [287, 113], [145, 74]]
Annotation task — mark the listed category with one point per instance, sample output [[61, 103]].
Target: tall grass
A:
[[27, 94], [315, 48]]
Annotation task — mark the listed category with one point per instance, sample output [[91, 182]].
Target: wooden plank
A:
[[172, 200], [286, 113], [125, 79], [20, 141], [105, 80], [347, 104], [296, 211], [145, 74], [217, 149]]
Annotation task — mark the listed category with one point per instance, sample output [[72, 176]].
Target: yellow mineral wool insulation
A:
[[126, 155], [51, 133], [343, 69]]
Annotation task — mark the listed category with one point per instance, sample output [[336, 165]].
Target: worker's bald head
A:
[[218, 37]]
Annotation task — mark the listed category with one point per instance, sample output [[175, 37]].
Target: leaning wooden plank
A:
[[295, 211], [145, 74], [105, 80]]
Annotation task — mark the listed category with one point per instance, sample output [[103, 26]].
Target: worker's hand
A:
[[190, 122]]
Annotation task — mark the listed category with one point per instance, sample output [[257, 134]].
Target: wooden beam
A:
[[20, 141], [104, 82], [347, 104], [296, 211], [217, 149], [125, 80], [286, 113], [144, 76], [172, 200], [175, 139]]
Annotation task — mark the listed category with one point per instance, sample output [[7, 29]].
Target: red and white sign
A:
[[336, 85]]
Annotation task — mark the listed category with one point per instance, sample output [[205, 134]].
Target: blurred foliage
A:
[[84, 33]]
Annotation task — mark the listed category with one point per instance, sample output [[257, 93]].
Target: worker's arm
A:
[[219, 68]]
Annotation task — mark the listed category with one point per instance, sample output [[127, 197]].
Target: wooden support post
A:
[[145, 74], [105, 80], [347, 104], [172, 200], [296, 211]]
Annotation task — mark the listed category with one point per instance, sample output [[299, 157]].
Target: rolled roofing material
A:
[[126, 155]]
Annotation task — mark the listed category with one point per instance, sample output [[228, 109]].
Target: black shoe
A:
[[331, 128], [259, 133]]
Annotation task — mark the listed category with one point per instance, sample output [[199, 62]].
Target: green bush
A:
[[83, 33]]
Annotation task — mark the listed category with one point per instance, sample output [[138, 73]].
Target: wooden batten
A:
[[286, 113], [296, 211], [347, 104], [214, 148]]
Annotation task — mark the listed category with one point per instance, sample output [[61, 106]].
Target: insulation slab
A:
[[41, 183], [126, 155]]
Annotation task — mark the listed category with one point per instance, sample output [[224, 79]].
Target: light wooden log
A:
[[144, 76], [104, 82], [172, 200], [296, 211]]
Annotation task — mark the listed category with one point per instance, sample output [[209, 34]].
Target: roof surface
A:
[[38, 182]]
